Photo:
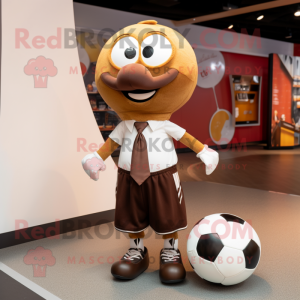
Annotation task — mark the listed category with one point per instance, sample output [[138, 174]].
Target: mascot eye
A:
[[130, 53], [125, 51], [156, 50], [148, 51]]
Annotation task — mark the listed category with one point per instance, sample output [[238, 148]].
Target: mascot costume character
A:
[[146, 72]]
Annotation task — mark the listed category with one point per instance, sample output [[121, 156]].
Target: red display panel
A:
[[196, 114]]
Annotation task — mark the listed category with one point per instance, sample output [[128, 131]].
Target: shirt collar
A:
[[130, 124], [152, 124]]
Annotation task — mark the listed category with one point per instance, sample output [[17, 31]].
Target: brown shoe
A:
[[132, 264], [171, 267]]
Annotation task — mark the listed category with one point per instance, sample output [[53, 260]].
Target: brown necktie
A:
[[139, 161]]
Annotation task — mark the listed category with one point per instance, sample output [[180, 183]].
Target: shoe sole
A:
[[126, 278], [122, 278], [172, 281]]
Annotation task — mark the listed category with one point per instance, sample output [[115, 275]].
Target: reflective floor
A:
[[83, 258]]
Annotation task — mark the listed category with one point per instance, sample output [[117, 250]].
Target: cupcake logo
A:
[[40, 68], [39, 258]]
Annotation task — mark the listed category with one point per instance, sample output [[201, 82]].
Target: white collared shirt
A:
[[160, 146]]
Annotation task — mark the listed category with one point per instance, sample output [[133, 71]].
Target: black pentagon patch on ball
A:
[[232, 218], [209, 246], [252, 254]]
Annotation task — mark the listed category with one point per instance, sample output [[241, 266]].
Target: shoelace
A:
[[169, 255], [132, 254]]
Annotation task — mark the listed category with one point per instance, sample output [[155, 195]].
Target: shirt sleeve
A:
[[174, 130], [117, 134]]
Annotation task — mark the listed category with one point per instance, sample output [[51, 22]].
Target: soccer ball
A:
[[223, 248]]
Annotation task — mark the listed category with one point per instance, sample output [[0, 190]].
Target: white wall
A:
[[41, 177], [98, 18]]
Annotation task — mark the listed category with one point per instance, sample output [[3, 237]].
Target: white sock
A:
[[171, 243], [137, 243]]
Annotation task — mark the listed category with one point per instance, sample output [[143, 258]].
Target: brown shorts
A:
[[158, 202]]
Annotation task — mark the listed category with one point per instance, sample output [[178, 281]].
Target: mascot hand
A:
[[210, 158], [92, 164]]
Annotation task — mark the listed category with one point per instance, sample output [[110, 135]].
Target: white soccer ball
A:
[[223, 248]]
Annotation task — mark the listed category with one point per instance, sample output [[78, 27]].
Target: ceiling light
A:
[[260, 17], [230, 26], [297, 12], [229, 6]]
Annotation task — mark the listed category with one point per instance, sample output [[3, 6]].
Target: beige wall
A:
[[41, 177]]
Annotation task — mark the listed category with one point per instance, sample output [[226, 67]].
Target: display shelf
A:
[[245, 93], [99, 110], [106, 129]]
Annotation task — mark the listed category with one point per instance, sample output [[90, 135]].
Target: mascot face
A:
[[146, 72]]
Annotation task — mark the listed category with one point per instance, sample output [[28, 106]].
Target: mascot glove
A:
[[92, 164], [210, 158]]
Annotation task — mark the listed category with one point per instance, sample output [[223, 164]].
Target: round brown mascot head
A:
[[146, 72]]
